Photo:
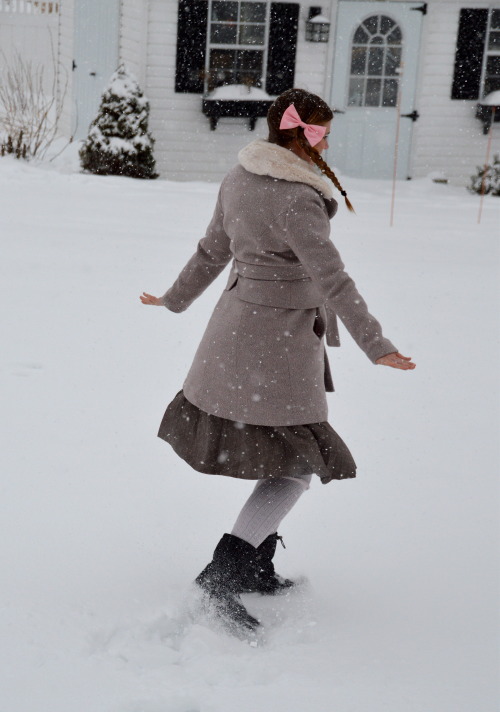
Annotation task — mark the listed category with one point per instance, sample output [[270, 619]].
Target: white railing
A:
[[29, 7]]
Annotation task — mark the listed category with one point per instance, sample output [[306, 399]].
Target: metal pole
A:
[[396, 144], [488, 149]]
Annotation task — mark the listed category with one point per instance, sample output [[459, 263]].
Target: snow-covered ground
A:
[[103, 528]]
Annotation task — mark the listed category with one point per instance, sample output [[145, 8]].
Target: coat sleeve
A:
[[211, 256], [307, 233]]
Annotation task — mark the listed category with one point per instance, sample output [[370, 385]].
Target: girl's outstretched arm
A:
[[212, 254]]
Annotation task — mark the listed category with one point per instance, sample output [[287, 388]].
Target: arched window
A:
[[375, 62]]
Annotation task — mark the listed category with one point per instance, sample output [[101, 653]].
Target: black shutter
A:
[[469, 55], [282, 47], [191, 45]]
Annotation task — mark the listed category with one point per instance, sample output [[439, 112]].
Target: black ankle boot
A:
[[261, 577], [222, 580]]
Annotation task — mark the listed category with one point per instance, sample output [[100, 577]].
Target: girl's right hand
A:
[[149, 299], [396, 360]]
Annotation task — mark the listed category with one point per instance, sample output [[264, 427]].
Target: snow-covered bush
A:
[[487, 178], [118, 142]]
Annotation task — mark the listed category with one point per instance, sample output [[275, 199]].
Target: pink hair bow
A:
[[291, 119]]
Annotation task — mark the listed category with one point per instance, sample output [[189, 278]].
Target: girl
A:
[[253, 404]]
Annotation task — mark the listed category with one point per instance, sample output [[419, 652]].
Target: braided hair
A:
[[312, 110]]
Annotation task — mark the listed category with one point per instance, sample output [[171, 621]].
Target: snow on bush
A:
[[487, 178], [118, 142]]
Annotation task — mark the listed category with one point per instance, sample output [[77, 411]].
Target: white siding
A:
[[134, 37], [185, 148], [447, 137], [312, 57]]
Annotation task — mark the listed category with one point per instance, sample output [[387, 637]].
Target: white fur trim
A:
[[269, 159]]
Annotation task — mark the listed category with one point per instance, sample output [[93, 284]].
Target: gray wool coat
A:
[[262, 358]]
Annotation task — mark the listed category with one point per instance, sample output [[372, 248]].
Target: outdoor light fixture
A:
[[317, 26]]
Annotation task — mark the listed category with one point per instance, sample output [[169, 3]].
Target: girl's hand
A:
[[396, 360], [149, 299]]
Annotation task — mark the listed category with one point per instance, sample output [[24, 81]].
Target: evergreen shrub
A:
[[487, 179], [118, 142]]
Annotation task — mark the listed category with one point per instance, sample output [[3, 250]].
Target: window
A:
[[237, 43], [491, 65], [375, 62], [477, 57]]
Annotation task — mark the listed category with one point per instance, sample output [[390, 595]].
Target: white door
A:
[[375, 68], [96, 28]]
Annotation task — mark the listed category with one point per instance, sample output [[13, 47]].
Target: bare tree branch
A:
[[26, 110]]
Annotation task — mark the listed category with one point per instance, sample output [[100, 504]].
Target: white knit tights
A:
[[269, 503]]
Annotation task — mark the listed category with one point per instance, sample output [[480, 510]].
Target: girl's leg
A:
[[237, 564], [267, 506]]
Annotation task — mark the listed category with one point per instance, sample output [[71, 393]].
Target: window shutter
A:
[[469, 55], [192, 20], [282, 47]]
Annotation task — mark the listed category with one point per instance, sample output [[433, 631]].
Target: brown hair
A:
[[312, 110]]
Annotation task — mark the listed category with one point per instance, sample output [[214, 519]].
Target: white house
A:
[[391, 69]]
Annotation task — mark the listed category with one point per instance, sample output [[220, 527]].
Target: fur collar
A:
[[269, 159]]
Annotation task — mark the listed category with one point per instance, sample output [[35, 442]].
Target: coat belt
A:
[[280, 273], [260, 284]]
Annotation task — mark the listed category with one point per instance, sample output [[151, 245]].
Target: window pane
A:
[[495, 19], [222, 67], [248, 78], [386, 24], [222, 34], [491, 84], [373, 87], [494, 41], [371, 24], [249, 67], [252, 34], [356, 89], [392, 61], [222, 60], [224, 11], [360, 36], [253, 12], [493, 65], [390, 95], [377, 40], [250, 60], [358, 60], [395, 37], [375, 60]]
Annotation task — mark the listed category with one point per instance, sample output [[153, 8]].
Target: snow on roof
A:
[[239, 92]]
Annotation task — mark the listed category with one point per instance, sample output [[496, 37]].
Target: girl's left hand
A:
[[149, 299], [396, 360]]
